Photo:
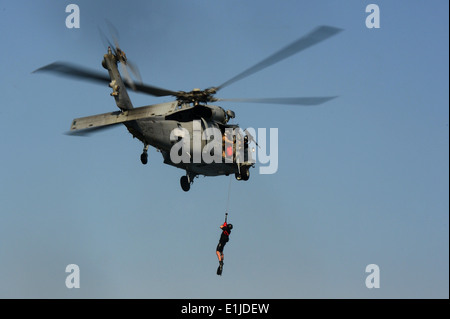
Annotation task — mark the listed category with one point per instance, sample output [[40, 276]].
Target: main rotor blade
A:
[[317, 35], [71, 70], [153, 90], [74, 71], [285, 100]]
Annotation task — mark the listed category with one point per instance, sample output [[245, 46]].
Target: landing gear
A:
[[144, 155], [186, 181], [144, 158], [244, 174]]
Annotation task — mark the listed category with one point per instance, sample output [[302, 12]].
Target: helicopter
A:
[[185, 124]]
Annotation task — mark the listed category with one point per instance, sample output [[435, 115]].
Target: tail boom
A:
[[119, 92]]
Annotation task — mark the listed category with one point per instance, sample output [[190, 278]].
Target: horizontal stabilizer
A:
[[95, 122]]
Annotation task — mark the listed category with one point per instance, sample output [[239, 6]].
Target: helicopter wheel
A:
[[144, 158], [245, 174], [185, 184]]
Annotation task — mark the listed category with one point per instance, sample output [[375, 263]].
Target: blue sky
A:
[[362, 179]]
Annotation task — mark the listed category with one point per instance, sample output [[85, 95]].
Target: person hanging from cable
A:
[[224, 238]]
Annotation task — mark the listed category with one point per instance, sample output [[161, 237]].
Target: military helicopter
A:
[[189, 116]]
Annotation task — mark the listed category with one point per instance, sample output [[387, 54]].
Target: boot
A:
[[220, 268]]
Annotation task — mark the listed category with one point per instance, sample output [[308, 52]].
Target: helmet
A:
[[230, 226]]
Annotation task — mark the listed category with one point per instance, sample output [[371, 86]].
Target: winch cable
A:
[[228, 200]]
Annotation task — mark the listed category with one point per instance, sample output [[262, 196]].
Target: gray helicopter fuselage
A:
[[167, 118]]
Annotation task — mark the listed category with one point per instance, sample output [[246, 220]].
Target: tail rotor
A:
[[121, 57]]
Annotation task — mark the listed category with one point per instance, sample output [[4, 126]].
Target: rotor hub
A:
[[197, 96]]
